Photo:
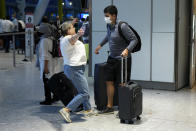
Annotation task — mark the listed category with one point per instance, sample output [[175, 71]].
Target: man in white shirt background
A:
[[7, 27], [48, 65]]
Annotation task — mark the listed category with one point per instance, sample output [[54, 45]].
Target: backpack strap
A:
[[108, 28], [120, 31]]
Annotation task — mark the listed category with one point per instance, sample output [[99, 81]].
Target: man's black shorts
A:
[[113, 70]]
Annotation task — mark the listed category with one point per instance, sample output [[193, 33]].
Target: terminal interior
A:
[[164, 68]]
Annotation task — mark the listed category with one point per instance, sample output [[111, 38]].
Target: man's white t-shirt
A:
[[73, 55], [55, 65], [7, 26]]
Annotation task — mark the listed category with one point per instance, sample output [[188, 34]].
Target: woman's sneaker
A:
[[117, 115], [65, 115], [108, 110], [89, 113]]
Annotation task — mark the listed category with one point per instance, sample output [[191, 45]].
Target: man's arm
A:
[[130, 36], [104, 41]]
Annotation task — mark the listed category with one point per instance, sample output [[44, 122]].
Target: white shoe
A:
[[117, 115], [90, 113], [65, 115]]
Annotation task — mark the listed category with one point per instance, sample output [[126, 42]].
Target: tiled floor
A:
[[21, 90]]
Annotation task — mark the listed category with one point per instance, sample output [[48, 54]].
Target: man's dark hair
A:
[[111, 10], [45, 19], [82, 19], [7, 17]]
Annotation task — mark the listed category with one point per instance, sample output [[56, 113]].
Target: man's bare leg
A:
[[110, 93]]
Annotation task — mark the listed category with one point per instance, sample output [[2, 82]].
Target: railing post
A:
[[30, 46], [14, 55]]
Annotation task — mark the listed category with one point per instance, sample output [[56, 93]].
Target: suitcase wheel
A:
[[138, 118], [130, 122], [122, 121]]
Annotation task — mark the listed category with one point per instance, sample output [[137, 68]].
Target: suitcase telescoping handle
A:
[[122, 59]]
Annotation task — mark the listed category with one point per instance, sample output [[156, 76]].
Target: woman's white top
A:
[[73, 55]]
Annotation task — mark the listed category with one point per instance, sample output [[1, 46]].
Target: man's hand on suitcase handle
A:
[[125, 53]]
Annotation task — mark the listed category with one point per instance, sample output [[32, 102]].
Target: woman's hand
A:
[[74, 21], [80, 32]]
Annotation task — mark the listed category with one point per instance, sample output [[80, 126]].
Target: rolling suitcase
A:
[[62, 88], [130, 98], [100, 90]]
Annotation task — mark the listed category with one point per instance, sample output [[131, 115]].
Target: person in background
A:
[[47, 62], [8, 26], [15, 21], [58, 22], [86, 32], [1, 38], [80, 23]]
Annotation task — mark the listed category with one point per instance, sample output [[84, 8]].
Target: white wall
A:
[[163, 57], [163, 40], [164, 16], [98, 23], [138, 14]]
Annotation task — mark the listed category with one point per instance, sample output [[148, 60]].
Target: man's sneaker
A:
[[108, 110], [65, 115]]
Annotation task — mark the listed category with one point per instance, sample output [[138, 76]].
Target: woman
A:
[[74, 56]]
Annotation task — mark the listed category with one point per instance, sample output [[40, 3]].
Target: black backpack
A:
[[55, 44], [138, 45], [56, 52], [62, 87]]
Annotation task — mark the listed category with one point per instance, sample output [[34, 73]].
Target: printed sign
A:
[[29, 36]]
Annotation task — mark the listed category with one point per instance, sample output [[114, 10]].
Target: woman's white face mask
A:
[[107, 20]]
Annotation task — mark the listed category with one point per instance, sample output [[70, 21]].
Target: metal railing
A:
[[13, 34]]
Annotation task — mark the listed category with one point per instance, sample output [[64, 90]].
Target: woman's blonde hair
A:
[[65, 27]]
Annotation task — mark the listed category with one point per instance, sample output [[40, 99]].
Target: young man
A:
[[118, 47]]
